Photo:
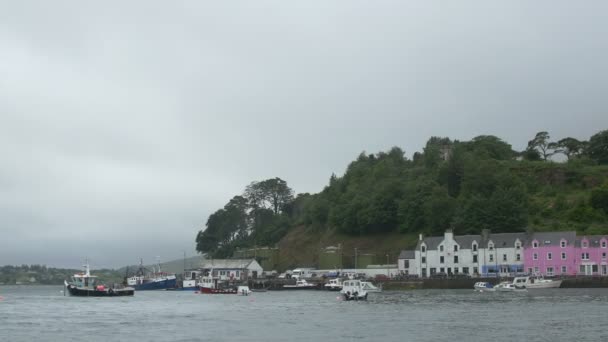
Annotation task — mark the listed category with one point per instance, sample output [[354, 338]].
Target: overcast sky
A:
[[124, 124]]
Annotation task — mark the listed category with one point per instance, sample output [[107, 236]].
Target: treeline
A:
[[466, 185], [43, 275]]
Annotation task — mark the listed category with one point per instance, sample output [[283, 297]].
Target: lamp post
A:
[[355, 261], [387, 265]]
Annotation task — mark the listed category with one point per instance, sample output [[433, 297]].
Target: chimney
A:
[[420, 236], [449, 234], [485, 234]]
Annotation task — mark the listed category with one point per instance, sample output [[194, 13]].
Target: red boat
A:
[[210, 285]]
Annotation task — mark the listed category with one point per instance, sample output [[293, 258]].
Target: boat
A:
[[483, 286], [333, 285], [243, 290], [144, 279], [353, 290], [301, 284], [506, 286], [211, 285], [369, 287], [86, 285], [537, 282], [190, 278]]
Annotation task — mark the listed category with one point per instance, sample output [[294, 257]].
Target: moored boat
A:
[[333, 285], [144, 279], [509, 287], [211, 285], [353, 290], [301, 284], [369, 287], [537, 282], [483, 286], [86, 285]]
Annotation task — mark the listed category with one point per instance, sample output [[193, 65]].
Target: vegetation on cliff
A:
[[466, 185]]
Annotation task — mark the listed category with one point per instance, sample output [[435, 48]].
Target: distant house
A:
[[406, 263], [232, 269], [551, 253], [591, 257]]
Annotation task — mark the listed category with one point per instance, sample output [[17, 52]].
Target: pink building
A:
[[591, 255], [551, 254]]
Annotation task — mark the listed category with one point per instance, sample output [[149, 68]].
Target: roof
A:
[[431, 242], [407, 255], [501, 240], [467, 240], [226, 263], [552, 238], [594, 240]]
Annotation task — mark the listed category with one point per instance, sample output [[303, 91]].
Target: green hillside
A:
[[384, 200]]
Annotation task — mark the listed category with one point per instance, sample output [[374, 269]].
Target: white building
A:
[[232, 269], [475, 255], [406, 263]]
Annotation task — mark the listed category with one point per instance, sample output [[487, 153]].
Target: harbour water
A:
[[42, 313]]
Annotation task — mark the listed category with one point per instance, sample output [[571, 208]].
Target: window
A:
[[455, 270], [518, 257], [222, 273], [517, 246], [442, 270], [604, 270], [549, 256], [491, 257], [530, 270], [441, 259], [474, 248], [423, 249], [441, 248], [424, 260], [474, 258], [604, 256], [563, 256], [455, 248], [549, 271], [582, 269], [433, 270], [594, 268], [535, 256], [238, 273], [564, 269], [424, 271], [603, 243], [465, 270], [475, 270], [563, 244], [585, 256], [535, 244], [491, 247], [584, 244], [536, 269], [504, 257], [455, 259]]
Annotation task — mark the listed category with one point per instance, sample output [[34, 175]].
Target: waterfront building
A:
[[406, 263], [232, 269], [551, 253], [502, 254], [591, 255]]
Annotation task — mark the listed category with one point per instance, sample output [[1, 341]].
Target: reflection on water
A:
[[28, 313]]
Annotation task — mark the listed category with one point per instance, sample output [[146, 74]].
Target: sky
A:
[[124, 124]]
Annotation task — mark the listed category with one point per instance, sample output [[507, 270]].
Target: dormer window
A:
[[535, 244], [517, 245], [585, 244], [563, 243], [474, 248], [455, 248], [423, 248], [603, 243], [491, 246], [441, 248]]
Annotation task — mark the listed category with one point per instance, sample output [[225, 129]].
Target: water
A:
[[43, 313]]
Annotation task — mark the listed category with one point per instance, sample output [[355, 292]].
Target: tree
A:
[[599, 199], [271, 193], [570, 147], [540, 143], [598, 147]]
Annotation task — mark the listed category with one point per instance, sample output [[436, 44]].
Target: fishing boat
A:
[[144, 279], [353, 290], [190, 279], [506, 286], [213, 285], [86, 285], [369, 287]]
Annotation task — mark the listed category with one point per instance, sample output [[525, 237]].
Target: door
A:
[[588, 270]]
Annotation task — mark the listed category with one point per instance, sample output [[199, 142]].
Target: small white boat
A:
[[333, 285], [483, 286], [369, 287], [301, 284], [353, 290], [537, 282], [243, 290], [509, 287]]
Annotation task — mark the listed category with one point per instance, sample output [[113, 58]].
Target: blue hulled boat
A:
[[145, 279]]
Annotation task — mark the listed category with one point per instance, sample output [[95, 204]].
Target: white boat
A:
[[301, 284], [369, 287], [506, 286], [334, 285], [483, 286], [353, 290], [537, 282], [243, 290]]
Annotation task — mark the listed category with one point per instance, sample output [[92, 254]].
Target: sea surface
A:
[[43, 313]]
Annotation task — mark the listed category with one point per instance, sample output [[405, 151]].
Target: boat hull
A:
[[85, 292], [207, 290], [347, 296], [165, 284], [294, 287]]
